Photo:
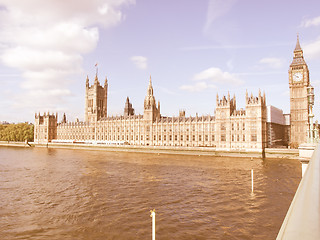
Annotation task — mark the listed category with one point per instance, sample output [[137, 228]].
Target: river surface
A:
[[80, 194]]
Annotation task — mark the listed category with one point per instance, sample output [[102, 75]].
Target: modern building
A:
[[277, 128]]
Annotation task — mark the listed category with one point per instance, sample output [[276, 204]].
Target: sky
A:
[[192, 49]]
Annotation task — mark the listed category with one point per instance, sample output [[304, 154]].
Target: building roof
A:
[[298, 47]]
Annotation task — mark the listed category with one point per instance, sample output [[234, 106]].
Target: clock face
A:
[[297, 77]]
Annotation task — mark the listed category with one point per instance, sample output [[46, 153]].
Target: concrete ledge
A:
[[282, 153], [15, 144], [207, 151], [306, 150]]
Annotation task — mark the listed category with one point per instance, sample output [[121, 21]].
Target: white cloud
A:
[[210, 78], [272, 62], [312, 50], [216, 75], [217, 9], [310, 22], [139, 61], [197, 87], [45, 40]]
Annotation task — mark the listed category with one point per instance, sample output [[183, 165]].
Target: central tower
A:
[[151, 111], [96, 100], [298, 83]]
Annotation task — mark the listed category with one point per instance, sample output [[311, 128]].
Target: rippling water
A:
[[78, 194]]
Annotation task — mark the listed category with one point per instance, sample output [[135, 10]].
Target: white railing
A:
[[303, 217]]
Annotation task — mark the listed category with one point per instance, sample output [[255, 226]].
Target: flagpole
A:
[[96, 69]]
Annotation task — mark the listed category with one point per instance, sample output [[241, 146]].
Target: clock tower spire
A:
[[298, 83]]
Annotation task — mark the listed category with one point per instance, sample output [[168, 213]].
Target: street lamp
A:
[[310, 96]]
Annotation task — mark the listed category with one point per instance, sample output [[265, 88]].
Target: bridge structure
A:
[[303, 217]]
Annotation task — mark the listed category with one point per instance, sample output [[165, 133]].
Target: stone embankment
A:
[[16, 144], [203, 151]]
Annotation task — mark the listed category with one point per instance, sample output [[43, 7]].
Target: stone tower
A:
[[224, 109], [45, 127], [151, 111], [128, 109], [96, 100], [298, 83], [256, 119]]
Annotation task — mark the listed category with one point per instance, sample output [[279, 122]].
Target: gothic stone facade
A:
[[299, 111], [228, 129]]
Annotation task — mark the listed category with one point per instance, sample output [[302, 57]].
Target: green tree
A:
[[16, 132]]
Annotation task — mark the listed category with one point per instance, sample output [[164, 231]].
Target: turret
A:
[[225, 106], [106, 82], [151, 112], [128, 109], [64, 118], [297, 54], [96, 81], [87, 82]]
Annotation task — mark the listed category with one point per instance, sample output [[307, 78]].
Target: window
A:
[[253, 137], [175, 137], [212, 137], [206, 137], [199, 137], [232, 126], [223, 126], [181, 138], [223, 138]]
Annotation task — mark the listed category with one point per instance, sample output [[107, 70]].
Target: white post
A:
[[153, 215], [251, 180]]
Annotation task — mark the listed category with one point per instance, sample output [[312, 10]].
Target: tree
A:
[[17, 132]]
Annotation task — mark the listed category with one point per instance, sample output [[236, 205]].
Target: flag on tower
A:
[[96, 65]]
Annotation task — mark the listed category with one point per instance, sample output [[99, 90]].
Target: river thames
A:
[[80, 194]]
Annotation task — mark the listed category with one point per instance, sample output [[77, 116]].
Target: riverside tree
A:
[[16, 132]]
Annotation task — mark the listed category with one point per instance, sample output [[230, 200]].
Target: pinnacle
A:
[[298, 47]]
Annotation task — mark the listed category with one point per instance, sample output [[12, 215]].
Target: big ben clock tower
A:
[[298, 83]]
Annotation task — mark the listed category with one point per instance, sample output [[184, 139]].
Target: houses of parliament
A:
[[254, 128]]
